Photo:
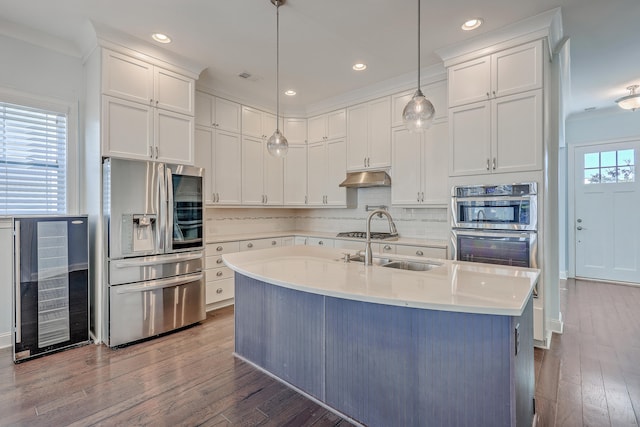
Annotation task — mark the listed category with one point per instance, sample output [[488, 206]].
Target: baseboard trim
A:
[[556, 325], [564, 275], [5, 340]]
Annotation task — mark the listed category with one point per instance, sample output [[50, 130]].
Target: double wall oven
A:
[[495, 224], [153, 214]]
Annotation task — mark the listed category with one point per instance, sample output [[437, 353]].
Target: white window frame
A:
[[71, 110]]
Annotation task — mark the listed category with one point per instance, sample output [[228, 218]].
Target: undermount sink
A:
[[411, 265], [376, 261]]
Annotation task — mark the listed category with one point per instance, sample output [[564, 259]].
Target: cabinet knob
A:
[[387, 248], [321, 243], [219, 248], [273, 243], [219, 273], [219, 261], [488, 96], [219, 291], [419, 253], [494, 93], [249, 245]]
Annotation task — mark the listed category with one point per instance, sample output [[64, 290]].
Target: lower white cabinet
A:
[[315, 241], [249, 245], [425, 251], [219, 278]]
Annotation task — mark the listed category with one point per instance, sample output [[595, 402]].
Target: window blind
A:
[[33, 160]]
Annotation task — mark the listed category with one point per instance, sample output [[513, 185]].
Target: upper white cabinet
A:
[[147, 111], [418, 172], [503, 73], [501, 135], [369, 135], [295, 130], [135, 80], [295, 175], [219, 153], [217, 112], [257, 123], [326, 170], [262, 174], [327, 126], [436, 93]]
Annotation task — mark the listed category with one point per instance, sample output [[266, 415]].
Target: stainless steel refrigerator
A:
[[51, 285], [154, 230]]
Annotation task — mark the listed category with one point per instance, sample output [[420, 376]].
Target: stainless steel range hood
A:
[[366, 179]]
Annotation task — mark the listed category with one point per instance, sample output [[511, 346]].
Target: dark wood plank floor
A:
[[590, 377]]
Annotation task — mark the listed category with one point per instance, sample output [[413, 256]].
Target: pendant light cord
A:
[[419, 44], [278, 66]]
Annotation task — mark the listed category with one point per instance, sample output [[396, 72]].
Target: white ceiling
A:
[[320, 40]]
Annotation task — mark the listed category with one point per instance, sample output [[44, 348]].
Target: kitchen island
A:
[[382, 346]]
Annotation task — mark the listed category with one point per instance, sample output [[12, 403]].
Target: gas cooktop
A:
[[374, 235]]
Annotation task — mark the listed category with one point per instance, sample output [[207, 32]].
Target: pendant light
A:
[[418, 113], [277, 145], [631, 101]]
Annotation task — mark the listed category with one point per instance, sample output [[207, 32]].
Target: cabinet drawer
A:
[[386, 248], [214, 261], [221, 273], [428, 252], [314, 241], [221, 248], [249, 245], [219, 290]]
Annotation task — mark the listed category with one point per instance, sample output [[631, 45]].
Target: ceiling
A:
[[321, 40]]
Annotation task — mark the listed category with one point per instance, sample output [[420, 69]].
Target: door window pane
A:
[[609, 167]]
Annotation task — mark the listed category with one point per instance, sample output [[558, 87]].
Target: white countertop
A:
[[411, 241], [454, 286]]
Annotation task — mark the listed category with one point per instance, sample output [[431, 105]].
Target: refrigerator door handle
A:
[[170, 225], [156, 260], [158, 284], [18, 305], [161, 204]]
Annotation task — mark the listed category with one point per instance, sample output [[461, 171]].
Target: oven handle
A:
[[495, 198], [493, 233], [156, 260], [158, 284]]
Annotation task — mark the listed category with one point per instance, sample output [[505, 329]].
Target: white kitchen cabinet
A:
[[507, 72], [436, 93], [131, 79], [419, 172], [262, 174], [137, 131], [326, 170], [295, 130], [251, 245], [327, 126], [295, 176], [299, 240], [317, 241], [219, 283], [497, 136], [217, 112], [257, 123], [288, 241], [425, 251], [219, 152], [369, 135]]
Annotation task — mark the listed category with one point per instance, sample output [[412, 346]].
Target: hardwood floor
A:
[[591, 374], [589, 377]]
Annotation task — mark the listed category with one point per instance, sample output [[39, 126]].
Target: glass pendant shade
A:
[[277, 145], [631, 101], [418, 113]]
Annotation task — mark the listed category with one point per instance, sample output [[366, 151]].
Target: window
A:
[[33, 160], [609, 167]]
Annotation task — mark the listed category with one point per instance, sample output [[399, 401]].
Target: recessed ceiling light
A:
[[359, 66], [161, 38], [472, 24], [289, 92]]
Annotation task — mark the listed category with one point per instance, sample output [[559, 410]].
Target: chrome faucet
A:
[[368, 255]]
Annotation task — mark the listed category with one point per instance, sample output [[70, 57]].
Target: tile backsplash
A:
[[429, 223]]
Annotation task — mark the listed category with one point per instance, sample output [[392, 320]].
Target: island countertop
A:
[[452, 286]]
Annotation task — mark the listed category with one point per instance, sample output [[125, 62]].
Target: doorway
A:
[[606, 219]]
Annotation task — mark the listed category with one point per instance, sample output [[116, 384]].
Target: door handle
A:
[[488, 163], [17, 279], [494, 163]]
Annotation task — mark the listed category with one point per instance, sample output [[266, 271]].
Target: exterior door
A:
[[607, 203]]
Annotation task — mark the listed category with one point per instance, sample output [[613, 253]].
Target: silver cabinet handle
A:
[[494, 163], [494, 93], [219, 261], [488, 96], [365, 162], [273, 243], [249, 245], [418, 199], [305, 200], [266, 198], [219, 248], [219, 273], [151, 151], [579, 227], [488, 163], [219, 291], [419, 253], [422, 197], [157, 152]]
